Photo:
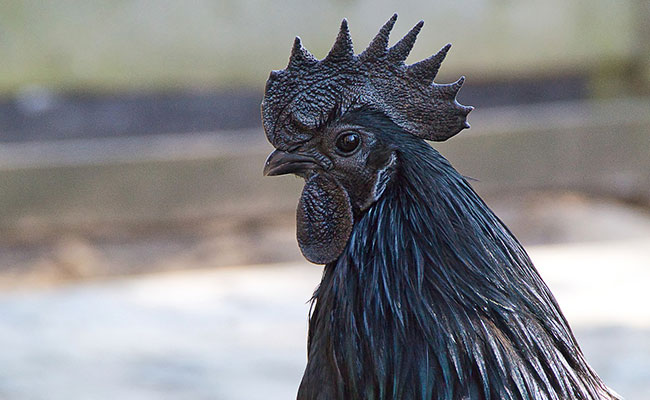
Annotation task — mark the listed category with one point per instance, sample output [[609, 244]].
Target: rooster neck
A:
[[431, 239], [434, 298]]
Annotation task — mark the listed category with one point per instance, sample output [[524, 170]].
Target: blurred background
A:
[[144, 256]]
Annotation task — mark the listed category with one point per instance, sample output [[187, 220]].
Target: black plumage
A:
[[425, 293]]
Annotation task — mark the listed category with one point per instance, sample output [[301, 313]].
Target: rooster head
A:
[[339, 122]]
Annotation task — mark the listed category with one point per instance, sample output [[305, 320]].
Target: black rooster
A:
[[425, 293]]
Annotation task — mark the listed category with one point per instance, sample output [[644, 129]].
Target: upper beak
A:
[[281, 162]]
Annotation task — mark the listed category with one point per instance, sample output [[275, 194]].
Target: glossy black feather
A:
[[434, 298]]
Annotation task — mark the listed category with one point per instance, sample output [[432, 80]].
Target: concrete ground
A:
[[240, 332]]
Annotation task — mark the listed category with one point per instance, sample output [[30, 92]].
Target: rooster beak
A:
[[282, 162]]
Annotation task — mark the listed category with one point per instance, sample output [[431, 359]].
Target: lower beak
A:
[[281, 162]]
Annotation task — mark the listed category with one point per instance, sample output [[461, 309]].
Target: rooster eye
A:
[[348, 142]]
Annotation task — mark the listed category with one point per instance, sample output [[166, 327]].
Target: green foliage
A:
[[146, 44]]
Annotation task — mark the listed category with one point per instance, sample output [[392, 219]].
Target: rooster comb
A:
[[297, 97]]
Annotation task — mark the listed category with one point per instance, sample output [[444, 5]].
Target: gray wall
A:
[[599, 147]]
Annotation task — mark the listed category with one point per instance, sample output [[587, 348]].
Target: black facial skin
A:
[[347, 164], [362, 171]]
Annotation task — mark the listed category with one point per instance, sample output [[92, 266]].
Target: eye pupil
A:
[[348, 142]]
